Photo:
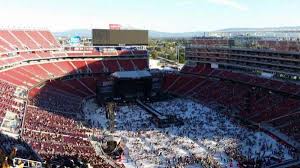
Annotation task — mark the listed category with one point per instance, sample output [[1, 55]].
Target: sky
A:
[[159, 15]]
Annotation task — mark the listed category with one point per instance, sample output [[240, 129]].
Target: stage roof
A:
[[132, 74]]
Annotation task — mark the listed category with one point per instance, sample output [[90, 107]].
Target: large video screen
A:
[[119, 37]]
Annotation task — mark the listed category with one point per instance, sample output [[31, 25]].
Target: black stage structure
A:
[[125, 86]]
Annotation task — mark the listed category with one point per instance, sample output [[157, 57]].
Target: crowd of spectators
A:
[[207, 138], [53, 134], [10, 102], [53, 100], [11, 148], [52, 128], [256, 99], [42, 120]]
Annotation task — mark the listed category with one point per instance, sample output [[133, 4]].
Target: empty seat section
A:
[[29, 73], [5, 34], [186, 69], [95, 66], [178, 83], [75, 54], [290, 88], [124, 52], [49, 36], [21, 35], [80, 86], [59, 54], [5, 47], [37, 71], [126, 65], [65, 87], [52, 69], [66, 66], [34, 92], [168, 81], [44, 54], [20, 76], [39, 39], [12, 60], [140, 52], [111, 65], [141, 64], [20, 70], [29, 55], [80, 65], [90, 83], [188, 86], [3, 50], [12, 80]]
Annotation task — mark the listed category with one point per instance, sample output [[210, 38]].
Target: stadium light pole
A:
[[177, 53]]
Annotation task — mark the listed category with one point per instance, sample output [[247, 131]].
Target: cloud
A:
[[230, 3]]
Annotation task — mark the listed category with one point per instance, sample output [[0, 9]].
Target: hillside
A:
[[158, 34]]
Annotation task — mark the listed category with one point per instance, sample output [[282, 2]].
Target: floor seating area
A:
[[255, 99]]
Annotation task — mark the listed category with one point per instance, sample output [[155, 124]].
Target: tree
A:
[[154, 54]]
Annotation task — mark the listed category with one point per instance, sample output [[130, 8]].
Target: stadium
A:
[[102, 106]]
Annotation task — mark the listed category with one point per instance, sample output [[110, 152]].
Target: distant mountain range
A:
[[74, 32], [295, 28], [157, 34], [152, 34]]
